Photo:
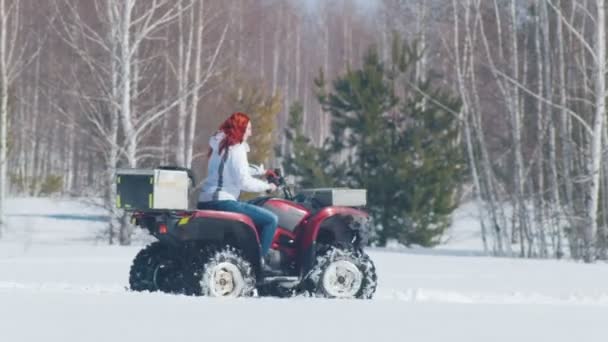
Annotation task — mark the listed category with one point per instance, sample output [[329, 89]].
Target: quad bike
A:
[[317, 250]]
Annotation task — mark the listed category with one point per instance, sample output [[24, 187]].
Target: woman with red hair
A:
[[229, 174]]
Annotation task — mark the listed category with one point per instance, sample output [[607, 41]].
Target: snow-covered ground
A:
[[60, 282]]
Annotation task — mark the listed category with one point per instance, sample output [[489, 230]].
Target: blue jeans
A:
[[264, 219]]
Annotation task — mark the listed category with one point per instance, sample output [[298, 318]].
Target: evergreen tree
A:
[[402, 149], [312, 165], [429, 166]]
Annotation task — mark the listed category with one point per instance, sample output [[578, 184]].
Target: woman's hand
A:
[[270, 174]]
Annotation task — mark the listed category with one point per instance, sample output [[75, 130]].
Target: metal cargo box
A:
[[343, 197], [144, 189]]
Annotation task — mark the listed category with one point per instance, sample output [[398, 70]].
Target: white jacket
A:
[[228, 175]]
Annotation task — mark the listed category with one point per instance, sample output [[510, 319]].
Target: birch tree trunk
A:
[[461, 68], [540, 122], [345, 36], [518, 167], [34, 142], [595, 157], [499, 221], [183, 77], [11, 64], [325, 118], [200, 34], [262, 45], [554, 209], [421, 20], [4, 79], [125, 56], [298, 62], [276, 56], [112, 155], [602, 235]]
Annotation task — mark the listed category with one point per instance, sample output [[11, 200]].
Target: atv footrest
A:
[[282, 280]]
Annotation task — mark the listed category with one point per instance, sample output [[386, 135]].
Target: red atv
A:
[[317, 250]]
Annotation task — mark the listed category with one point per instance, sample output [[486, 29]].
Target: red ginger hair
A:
[[234, 129]]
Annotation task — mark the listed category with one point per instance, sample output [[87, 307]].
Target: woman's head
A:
[[237, 128]]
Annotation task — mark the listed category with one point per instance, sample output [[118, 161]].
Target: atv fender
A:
[[338, 226], [222, 228]]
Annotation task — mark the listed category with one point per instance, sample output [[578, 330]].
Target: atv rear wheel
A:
[[154, 269], [227, 274], [342, 273]]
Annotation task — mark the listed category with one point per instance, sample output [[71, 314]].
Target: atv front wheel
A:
[[342, 273], [153, 269], [227, 274]]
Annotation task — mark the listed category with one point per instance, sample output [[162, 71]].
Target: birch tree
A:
[[595, 156], [13, 58], [128, 25], [593, 48], [203, 59]]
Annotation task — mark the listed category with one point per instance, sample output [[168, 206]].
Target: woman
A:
[[228, 175]]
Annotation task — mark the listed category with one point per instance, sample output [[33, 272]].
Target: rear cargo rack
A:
[[343, 197]]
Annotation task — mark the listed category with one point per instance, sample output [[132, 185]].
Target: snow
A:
[[465, 232], [60, 282]]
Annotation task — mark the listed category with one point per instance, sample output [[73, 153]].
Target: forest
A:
[[430, 103]]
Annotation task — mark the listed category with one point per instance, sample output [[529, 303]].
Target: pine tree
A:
[[403, 150], [429, 165], [311, 165]]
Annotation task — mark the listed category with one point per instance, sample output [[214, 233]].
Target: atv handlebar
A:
[[275, 177]]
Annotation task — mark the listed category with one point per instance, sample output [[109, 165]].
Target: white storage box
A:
[[170, 189], [342, 197], [141, 189]]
